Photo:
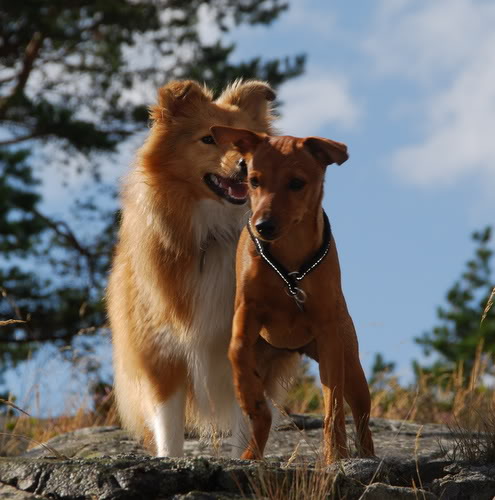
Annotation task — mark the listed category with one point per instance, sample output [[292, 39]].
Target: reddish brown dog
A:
[[279, 311]]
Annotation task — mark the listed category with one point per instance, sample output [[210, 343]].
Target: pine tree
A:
[[75, 81], [460, 330]]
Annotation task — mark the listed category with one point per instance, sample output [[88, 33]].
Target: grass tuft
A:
[[21, 432], [489, 305], [304, 481], [475, 446]]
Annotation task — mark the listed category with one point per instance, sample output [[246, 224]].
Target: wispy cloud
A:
[[459, 128], [315, 101], [420, 39], [446, 48]]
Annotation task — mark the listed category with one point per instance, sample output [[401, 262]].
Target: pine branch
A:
[[63, 230], [32, 51], [67, 337], [11, 322], [22, 138], [7, 79]]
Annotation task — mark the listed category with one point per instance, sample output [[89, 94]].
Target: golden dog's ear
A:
[[326, 151], [179, 98], [253, 96], [244, 141]]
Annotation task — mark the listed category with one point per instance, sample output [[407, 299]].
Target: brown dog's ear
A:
[[252, 96], [326, 151], [244, 141], [177, 98]]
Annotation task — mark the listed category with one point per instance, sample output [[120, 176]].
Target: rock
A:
[[381, 491], [10, 493], [90, 442], [467, 483], [114, 478], [365, 470], [346, 487], [202, 495], [302, 422], [106, 463]]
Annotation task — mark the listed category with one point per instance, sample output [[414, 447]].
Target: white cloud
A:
[[460, 124], [446, 48], [313, 102], [420, 38]]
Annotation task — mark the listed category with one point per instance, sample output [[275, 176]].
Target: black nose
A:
[[266, 228], [241, 169]]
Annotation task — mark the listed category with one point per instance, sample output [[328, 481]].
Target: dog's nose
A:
[[266, 228], [241, 169]]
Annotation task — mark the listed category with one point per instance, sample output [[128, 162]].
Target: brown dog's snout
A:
[[266, 228]]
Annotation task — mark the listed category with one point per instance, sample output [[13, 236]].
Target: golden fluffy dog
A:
[[172, 285]]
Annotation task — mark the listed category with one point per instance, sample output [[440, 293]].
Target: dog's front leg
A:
[[247, 381], [331, 359], [356, 390]]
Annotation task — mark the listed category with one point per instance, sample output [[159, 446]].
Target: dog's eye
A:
[[208, 139], [296, 184], [254, 182]]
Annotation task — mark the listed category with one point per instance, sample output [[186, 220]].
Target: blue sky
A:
[[409, 86]]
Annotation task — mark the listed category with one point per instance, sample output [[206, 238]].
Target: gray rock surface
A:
[[11, 493], [381, 491], [106, 463], [468, 482]]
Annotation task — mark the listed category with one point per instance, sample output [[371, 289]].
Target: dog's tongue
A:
[[234, 189]]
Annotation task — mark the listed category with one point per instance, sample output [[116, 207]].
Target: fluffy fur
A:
[[171, 289]]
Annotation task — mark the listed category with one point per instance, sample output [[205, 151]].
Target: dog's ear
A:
[[244, 141], [252, 96], [179, 98], [326, 151]]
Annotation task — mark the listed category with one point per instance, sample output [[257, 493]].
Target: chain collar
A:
[[293, 278]]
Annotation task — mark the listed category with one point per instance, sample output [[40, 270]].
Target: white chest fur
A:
[[217, 227]]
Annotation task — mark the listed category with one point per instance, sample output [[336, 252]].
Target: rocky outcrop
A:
[[104, 462]]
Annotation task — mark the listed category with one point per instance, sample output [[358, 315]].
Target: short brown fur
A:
[[266, 317]]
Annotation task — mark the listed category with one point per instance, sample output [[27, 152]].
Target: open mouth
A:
[[228, 188]]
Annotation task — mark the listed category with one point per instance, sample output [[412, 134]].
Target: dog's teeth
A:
[[215, 180], [230, 192]]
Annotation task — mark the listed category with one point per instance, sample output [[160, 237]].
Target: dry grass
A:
[[466, 406], [304, 396], [303, 482], [456, 399], [489, 305], [453, 400], [457, 402], [477, 445], [20, 431]]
